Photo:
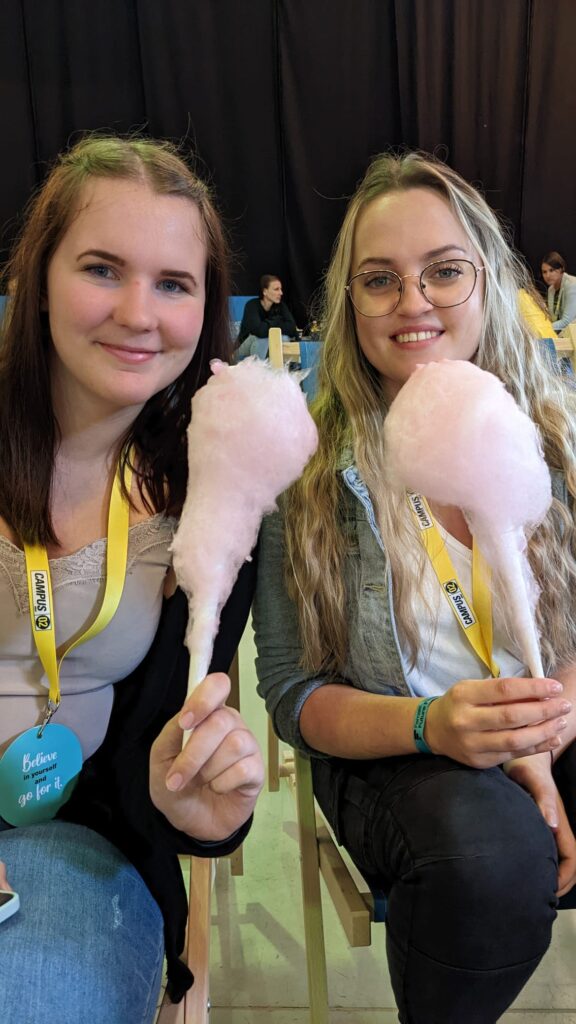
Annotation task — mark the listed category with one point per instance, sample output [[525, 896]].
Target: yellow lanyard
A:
[[40, 592], [474, 617]]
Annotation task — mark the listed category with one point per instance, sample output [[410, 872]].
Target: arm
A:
[[478, 722], [253, 321], [569, 311], [535, 775], [281, 681], [286, 321], [112, 795], [209, 789]]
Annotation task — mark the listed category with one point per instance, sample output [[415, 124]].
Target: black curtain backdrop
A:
[[283, 102]]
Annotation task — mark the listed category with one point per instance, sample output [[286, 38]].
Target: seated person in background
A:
[[260, 315], [99, 360], [561, 291], [534, 312]]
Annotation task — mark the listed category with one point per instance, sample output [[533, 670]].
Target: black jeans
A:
[[470, 868]]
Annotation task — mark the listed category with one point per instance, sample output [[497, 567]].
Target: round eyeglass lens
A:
[[448, 282], [375, 292]]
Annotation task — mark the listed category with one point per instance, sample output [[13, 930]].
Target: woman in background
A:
[[118, 304], [262, 313], [450, 783], [561, 291]]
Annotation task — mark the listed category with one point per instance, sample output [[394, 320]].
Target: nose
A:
[[413, 300], [135, 308]]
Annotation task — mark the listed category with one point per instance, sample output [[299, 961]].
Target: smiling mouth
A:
[[403, 339], [129, 355]]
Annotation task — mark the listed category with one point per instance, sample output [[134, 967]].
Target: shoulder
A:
[[251, 310], [271, 542]]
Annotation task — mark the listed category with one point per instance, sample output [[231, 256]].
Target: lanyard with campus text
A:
[[40, 592], [40, 767], [474, 617]]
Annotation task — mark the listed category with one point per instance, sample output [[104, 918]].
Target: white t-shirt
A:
[[446, 656]]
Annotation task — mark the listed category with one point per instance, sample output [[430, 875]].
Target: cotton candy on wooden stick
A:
[[249, 438], [455, 435]]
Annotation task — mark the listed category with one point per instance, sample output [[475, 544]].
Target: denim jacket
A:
[[374, 659]]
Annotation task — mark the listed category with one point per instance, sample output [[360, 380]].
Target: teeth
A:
[[416, 336]]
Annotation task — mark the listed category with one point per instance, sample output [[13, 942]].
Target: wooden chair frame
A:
[[565, 344], [356, 906]]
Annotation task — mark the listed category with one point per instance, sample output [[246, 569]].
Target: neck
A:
[[391, 389], [266, 304], [89, 431]]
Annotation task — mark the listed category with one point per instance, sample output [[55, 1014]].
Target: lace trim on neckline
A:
[[88, 563]]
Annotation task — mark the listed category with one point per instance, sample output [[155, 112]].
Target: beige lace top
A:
[[90, 670]]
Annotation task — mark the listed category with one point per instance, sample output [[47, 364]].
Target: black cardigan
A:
[[112, 795]]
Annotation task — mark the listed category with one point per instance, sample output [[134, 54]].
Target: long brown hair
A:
[[28, 429]]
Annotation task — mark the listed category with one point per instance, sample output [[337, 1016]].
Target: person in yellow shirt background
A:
[[534, 313]]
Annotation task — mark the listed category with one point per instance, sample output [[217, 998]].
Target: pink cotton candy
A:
[[455, 435], [249, 438]]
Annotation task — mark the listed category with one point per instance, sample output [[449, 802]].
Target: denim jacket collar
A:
[[375, 661]]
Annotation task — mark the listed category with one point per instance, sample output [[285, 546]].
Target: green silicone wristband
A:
[[419, 724]]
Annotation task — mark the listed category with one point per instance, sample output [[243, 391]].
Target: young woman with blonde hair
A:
[[357, 645]]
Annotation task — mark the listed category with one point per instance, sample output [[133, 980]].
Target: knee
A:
[[483, 867]]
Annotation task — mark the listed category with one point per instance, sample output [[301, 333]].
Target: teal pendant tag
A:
[[37, 776]]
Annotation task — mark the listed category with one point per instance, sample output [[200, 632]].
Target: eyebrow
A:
[[111, 257], [102, 255], [432, 254]]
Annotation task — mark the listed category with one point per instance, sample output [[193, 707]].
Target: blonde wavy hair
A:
[[349, 411]]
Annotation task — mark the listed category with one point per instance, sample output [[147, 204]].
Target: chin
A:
[[119, 400]]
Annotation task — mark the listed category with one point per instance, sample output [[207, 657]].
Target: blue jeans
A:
[[469, 866], [86, 946]]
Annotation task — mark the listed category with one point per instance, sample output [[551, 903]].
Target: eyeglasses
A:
[[442, 283]]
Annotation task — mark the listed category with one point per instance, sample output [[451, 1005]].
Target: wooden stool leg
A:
[[311, 894], [275, 352], [237, 861], [273, 757], [196, 1005]]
